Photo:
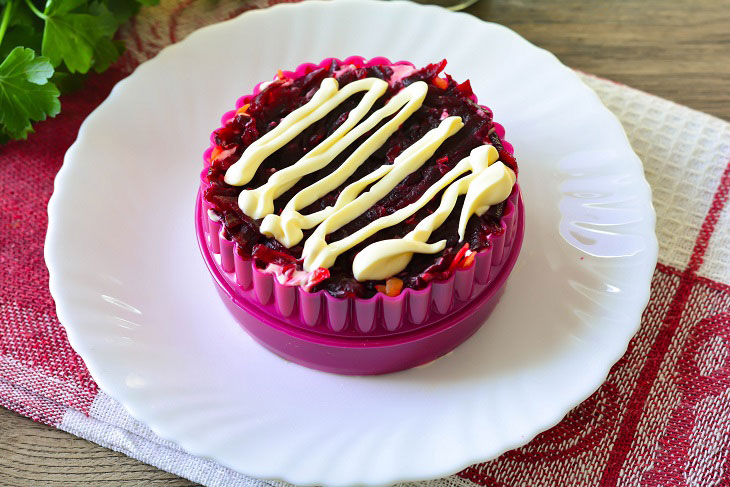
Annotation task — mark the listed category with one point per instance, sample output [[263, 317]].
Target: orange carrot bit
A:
[[393, 286], [243, 109], [458, 257], [468, 260], [216, 152], [440, 83], [280, 74], [380, 288]]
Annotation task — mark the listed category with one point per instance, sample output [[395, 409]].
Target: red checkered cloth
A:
[[661, 419]]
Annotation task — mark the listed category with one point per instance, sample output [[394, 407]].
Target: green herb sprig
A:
[[48, 47]]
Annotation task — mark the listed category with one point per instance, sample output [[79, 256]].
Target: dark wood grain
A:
[[34, 454], [677, 50]]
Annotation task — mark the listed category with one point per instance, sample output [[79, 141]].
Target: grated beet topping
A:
[[282, 96]]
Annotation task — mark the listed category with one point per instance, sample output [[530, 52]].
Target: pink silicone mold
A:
[[302, 326], [380, 315], [363, 355]]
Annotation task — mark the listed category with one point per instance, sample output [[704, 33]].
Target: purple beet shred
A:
[[285, 95]]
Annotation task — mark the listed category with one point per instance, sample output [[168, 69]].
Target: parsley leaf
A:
[[23, 29], [25, 93], [73, 36], [123, 10], [20, 35], [79, 40], [67, 82], [106, 50]]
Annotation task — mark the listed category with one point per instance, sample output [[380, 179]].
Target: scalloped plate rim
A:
[[110, 387]]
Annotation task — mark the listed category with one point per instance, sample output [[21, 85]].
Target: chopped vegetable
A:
[[468, 260], [440, 83], [319, 275], [266, 254], [216, 152], [458, 257], [393, 286]]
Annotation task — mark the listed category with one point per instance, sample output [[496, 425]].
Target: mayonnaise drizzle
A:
[[488, 183], [287, 227]]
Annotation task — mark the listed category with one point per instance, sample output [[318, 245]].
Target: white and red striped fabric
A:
[[661, 419]]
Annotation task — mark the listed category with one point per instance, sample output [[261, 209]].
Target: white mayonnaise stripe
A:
[[287, 227], [326, 99], [488, 183], [259, 202], [385, 258], [489, 187], [244, 169], [317, 253]]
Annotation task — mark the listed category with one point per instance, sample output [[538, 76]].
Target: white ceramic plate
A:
[[140, 308]]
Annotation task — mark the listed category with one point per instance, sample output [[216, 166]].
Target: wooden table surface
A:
[[677, 50]]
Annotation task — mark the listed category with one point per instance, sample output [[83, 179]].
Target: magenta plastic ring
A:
[[361, 356]]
